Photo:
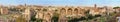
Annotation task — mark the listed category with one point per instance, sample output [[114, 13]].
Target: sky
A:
[[63, 2]]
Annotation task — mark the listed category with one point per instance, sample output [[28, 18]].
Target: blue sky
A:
[[63, 2]]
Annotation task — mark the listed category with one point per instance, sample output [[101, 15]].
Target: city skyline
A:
[[63, 2]]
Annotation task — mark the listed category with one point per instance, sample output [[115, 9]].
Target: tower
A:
[[95, 5], [27, 14]]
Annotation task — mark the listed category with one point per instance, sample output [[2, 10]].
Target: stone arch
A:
[[69, 11], [63, 11], [81, 12], [47, 17], [75, 11], [48, 14]]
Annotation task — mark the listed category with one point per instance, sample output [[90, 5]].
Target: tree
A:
[[116, 7], [55, 17]]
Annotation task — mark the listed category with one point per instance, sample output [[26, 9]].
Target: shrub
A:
[[55, 17]]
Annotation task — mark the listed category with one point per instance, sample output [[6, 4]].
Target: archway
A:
[[75, 11], [47, 17], [69, 11], [63, 11]]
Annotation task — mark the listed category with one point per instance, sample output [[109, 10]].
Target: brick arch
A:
[[63, 11], [47, 17], [81, 12], [69, 11], [49, 14], [75, 11]]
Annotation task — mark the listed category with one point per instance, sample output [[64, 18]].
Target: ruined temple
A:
[[46, 12]]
